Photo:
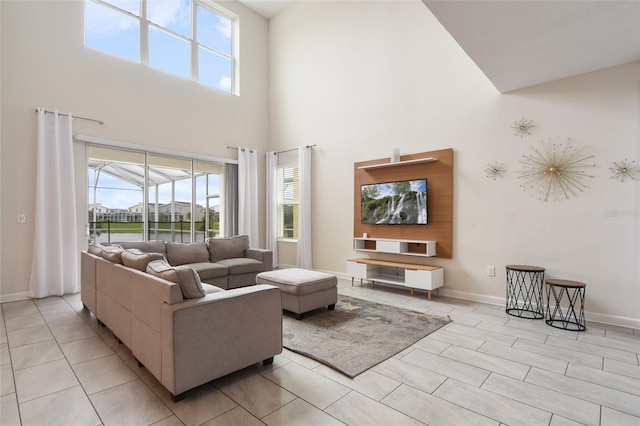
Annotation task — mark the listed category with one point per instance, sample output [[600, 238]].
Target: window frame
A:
[[196, 168], [281, 182], [145, 25]]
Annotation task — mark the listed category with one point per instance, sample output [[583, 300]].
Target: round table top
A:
[[525, 268], [565, 283]]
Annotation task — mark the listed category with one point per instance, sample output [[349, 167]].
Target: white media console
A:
[[409, 275], [385, 245]]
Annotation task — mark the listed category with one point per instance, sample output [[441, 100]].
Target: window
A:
[[288, 202], [192, 39], [183, 197]]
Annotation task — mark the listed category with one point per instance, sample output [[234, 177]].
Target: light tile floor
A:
[[58, 367]]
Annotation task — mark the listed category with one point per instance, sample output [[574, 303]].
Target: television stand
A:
[[423, 277]]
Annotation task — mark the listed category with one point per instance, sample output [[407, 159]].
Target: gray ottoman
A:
[[303, 290]]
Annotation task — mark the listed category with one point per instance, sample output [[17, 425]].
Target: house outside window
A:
[[288, 202], [192, 39]]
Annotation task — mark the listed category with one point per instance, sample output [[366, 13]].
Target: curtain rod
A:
[[292, 149], [238, 147], [275, 152], [74, 116]]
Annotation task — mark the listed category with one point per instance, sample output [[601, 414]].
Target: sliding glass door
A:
[[183, 201]]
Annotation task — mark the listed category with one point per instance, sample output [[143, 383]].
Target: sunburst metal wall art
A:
[[494, 170], [622, 170], [555, 170], [522, 127]]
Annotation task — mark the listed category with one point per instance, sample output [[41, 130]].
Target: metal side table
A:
[[524, 291], [571, 295]]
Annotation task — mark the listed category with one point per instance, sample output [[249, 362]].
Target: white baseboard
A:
[[14, 297], [473, 297], [500, 301], [589, 316]]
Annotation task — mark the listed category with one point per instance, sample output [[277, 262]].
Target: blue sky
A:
[[118, 33]]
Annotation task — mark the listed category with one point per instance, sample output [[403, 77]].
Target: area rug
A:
[[358, 334]]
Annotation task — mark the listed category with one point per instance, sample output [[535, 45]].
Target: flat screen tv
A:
[[394, 203]]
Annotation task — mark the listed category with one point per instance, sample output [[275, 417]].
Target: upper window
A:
[[192, 39]]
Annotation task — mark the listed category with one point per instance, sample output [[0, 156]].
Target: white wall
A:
[[45, 63], [360, 78]]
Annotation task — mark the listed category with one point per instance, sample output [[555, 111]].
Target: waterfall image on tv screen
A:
[[394, 203]]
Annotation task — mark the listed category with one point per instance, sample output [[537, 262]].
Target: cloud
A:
[[224, 27], [104, 22], [166, 13], [225, 83]]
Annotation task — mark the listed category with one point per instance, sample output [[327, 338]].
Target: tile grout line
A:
[[101, 337], [13, 372], [68, 362]]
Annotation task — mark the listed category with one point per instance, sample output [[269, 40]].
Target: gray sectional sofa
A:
[[187, 328]]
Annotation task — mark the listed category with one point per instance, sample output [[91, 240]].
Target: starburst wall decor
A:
[[522, 127], [494, 170], [622, 170], [555, 170]]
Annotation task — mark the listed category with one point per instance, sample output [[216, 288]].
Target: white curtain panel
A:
[[54, 267], [304, 255], [271, 231], [248, 195]]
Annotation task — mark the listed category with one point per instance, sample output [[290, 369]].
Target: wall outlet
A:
[[22, 218], [491, 271]]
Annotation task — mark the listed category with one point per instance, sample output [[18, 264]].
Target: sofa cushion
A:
[[209, 289], [183, 275], [183, 253], [241, 265], [155, 246], [227, 248], [137, 259], [95, 249], [112, 253], [207, 270]]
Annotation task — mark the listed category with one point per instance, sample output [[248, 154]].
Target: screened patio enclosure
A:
[[135, 195]]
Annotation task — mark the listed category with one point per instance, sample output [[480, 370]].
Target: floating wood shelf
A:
[[399, 163]]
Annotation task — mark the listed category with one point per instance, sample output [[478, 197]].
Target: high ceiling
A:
[[266, 8], [523, 43]]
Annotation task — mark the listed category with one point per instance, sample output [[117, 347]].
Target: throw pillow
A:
[[137, 259], [183, 253], [95, 249], [113, 253], [153, 246], [227, 248], [184, 276]]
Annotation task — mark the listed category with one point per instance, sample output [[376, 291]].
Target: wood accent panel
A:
[[439, 175]]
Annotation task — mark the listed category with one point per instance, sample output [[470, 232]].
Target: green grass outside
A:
[[137, 227]]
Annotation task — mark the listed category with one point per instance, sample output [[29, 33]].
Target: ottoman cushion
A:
[[298, 281]]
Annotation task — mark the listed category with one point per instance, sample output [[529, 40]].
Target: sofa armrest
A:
[[206, 338], [263, 255]]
